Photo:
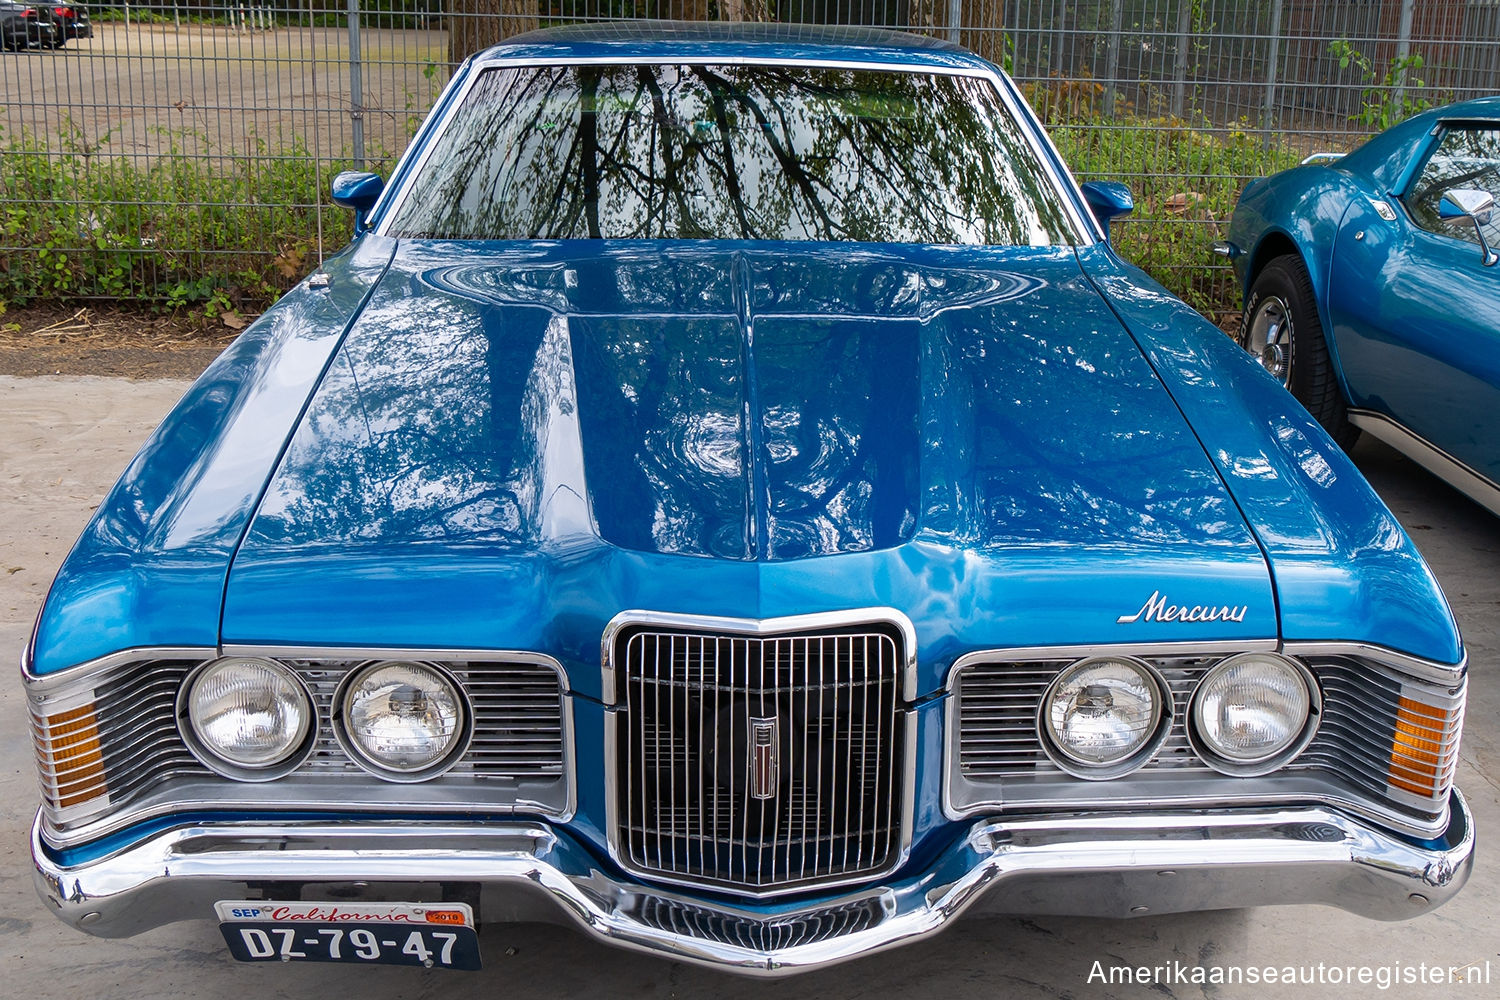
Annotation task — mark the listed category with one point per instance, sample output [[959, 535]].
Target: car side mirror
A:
[[360, 191], [1475, 205], [1107, 200]]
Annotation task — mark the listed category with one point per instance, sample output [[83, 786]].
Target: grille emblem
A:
[[765, 765]]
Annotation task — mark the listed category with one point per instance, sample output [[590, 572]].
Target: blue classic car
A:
[[730, 499], [1372, 291]]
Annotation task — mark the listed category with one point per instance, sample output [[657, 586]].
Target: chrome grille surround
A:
[[687, 693], [993, 757], [520, 758]]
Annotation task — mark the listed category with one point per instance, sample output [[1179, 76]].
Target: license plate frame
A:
[[423, 935]]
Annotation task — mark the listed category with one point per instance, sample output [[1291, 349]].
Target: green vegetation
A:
[[1386, 100], [179, 231], [1186, 181], [219, 232], [1185, 177]]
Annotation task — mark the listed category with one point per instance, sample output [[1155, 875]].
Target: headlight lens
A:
[[1252, 708], [249, 714], [1102, 712], [405, 720]]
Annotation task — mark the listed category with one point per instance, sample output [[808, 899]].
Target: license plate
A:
[[432, 935]]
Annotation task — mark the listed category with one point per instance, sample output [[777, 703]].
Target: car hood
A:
[[512, 446]]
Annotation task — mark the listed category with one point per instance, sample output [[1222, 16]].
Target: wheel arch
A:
[[1276, 243]]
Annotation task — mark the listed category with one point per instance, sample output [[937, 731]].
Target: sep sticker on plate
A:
[[434, 935]]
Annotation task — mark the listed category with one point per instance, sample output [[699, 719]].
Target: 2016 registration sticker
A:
[[433, 935]]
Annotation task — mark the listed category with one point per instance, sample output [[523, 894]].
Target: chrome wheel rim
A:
[[1270, 338]]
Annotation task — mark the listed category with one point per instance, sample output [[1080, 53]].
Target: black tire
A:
[[1281, 327]]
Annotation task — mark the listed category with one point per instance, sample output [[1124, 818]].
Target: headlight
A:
[[1251, 713], [1104, 716], [405, 721], [246, 718]]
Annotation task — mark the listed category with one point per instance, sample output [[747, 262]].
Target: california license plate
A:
[[433, 935]]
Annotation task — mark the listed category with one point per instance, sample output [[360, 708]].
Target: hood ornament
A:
[[1158, 609]]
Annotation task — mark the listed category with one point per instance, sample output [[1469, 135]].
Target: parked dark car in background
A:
[[1372, 290], [73, 20], [24, 26], [730, 499]]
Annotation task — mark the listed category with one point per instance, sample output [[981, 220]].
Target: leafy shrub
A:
[[177, 230]]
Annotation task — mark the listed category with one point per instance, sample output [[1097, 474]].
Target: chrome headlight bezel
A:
[[298, 748], [356, 752], [1157, 732], [1274, 760]]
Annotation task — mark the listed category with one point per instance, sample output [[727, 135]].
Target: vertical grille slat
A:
[[722, 774]]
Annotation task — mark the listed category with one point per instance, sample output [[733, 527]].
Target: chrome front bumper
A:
[[1087, 865]]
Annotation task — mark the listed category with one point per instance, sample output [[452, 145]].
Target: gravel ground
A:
[[208, 90]]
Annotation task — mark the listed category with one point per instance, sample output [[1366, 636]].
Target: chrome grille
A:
[[518, 749], [824, 800], [998, 706], [135, 721], [1357, 737], [517, 718], [1000, 759], [757, 934]]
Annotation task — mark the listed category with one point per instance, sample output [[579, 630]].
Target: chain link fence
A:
[[181, 152]]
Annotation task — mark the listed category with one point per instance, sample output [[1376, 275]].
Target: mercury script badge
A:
[[765, 764], [1158, 609]]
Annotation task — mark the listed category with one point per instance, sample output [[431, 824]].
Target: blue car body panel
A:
[[597, 429], [1411, 318], [149, 569], [1335, 552], [1029, 455]]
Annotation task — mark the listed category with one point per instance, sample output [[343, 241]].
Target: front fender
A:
[[149, 569], [1302, 207], [1343, 567]]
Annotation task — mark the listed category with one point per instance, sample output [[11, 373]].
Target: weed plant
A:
[[207, 232]]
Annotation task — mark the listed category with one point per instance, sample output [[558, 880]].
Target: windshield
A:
[[732, 152]]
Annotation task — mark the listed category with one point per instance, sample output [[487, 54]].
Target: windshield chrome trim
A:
[[1085, 230]]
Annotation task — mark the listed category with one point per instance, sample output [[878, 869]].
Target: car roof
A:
[[1480, 107], [748, 41], [1385, 157]]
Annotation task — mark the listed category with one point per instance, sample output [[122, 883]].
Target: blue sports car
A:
[[730, 499], [1372, 291]]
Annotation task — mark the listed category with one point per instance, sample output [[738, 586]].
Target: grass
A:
[[174, 231], [1186, 181], [180, 230]]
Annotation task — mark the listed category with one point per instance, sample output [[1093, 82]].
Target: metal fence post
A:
[[1403, 49], [356, 94], [317, 130], [955, 19], [1112, 58], [1273, 49], [1180, 62]]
